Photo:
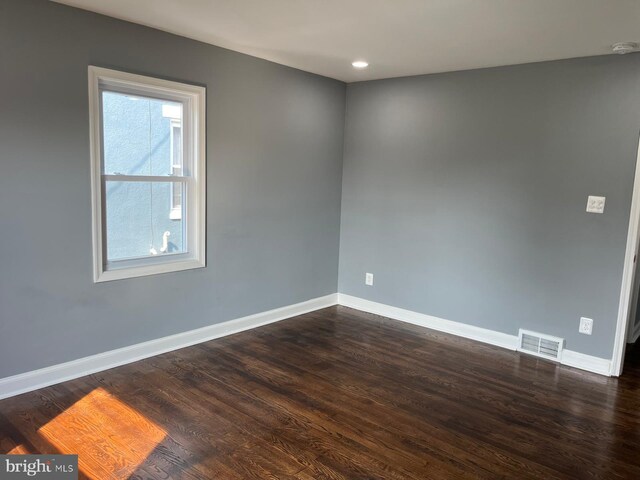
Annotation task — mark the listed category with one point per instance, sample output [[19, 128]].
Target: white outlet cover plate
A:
[[586, 325], [595, 204], [368, 279]]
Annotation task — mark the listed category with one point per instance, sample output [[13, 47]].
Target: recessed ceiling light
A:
[[360, 64], [624, 47]]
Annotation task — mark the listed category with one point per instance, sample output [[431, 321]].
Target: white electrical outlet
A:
[[595, 204], [368, 279], [586, 325]]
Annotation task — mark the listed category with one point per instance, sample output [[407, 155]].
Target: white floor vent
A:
[[540, 345]]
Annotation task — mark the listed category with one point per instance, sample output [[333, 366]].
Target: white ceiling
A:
[[397, 37]]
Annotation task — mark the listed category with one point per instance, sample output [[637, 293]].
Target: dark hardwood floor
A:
[[337, 394]]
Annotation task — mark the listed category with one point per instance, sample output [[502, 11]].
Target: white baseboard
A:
[[586, 362], [44, 377], [26, 382], [455, 328], [570, 358]]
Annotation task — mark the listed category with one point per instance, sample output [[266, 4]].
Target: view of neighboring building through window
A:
[[142, 136], [148, 174], [176, 167]]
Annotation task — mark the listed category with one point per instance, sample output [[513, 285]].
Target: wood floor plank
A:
[[337, 394]]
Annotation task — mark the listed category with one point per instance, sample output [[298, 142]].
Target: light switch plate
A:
[[595, 204]]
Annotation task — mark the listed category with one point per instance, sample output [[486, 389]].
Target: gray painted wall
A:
[[465, 194], [274, 166]]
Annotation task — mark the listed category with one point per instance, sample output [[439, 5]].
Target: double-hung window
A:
[[148, 174]]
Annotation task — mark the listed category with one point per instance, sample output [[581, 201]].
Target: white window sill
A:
[[144, 270]]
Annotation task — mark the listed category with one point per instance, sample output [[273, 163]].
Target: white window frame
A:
[[175, 212], [192, 99]]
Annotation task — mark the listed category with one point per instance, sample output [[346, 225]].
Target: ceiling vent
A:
[[540, 345]]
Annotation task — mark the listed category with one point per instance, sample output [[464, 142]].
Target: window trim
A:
[[194, 143]]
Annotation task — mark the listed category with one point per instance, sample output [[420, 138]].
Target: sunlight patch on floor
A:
[[111, 439], [18, 450]]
